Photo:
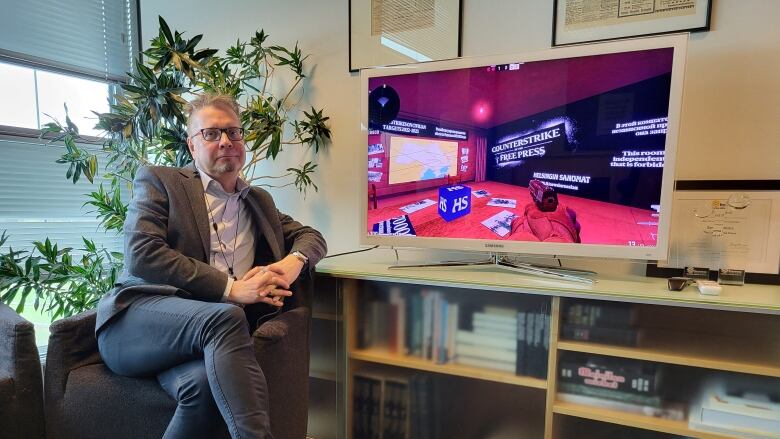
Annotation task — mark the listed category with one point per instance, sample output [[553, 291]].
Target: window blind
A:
[[97, 38], [36, 201]]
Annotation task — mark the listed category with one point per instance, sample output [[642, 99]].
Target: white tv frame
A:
[[659, 252]]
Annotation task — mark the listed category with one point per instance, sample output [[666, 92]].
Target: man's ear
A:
[[191, 146]]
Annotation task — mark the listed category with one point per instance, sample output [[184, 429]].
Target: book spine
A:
[[485, 364], [436, 330], [626, 379], [737, 421], [375, 421], [427, 321], [452, 329], [615, 395], [589, 313], [472, 338], [444, 312], [416, 341], [414, 407], [494, 319], [595, 334], [487, 353], [530, 324], [521, 360], [537, 365]]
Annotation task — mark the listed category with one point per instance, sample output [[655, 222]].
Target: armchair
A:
[[84, 399]]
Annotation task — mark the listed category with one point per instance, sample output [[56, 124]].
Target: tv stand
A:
[[501, 261]]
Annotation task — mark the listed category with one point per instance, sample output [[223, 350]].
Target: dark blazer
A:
[[167, 240]]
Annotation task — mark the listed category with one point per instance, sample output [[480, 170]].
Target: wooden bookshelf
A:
[[383, 357], [633, 420], [736, 332]]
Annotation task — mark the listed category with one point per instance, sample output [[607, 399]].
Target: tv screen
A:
[[568, 151]]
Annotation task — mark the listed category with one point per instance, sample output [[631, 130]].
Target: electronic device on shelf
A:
[[575, 147], [708, 287]]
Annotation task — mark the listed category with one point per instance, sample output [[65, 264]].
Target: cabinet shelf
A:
[[326, 316], [734, 354], [633, 420], [323, 375], [384, 357]]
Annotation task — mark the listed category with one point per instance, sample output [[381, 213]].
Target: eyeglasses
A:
[[214, 134], [678, 283]]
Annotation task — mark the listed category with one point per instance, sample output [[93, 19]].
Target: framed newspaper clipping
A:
[[393, 32], [581, 21]]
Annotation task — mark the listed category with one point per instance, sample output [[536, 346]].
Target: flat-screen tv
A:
[[566, 151]]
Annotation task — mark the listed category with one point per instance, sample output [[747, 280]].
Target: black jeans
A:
[[202, 355]]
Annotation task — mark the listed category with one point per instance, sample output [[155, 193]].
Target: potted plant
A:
[[147, 126]]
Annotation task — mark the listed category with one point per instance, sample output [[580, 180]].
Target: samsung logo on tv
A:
[[494, 245]]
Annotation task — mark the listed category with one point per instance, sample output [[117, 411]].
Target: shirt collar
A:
[[242, 187]]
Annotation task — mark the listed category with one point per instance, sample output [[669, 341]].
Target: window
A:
[[35, 97], [54, 53]]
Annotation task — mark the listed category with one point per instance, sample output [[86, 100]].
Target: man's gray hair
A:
[[201, 101]]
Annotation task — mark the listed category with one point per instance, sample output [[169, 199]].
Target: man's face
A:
[[218, 158]]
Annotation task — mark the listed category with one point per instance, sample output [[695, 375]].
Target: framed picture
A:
[[392, 32], [581, 21], [725, 224]]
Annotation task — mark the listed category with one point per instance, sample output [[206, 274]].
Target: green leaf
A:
[[165, 30]]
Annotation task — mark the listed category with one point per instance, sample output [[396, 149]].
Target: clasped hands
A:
[[268, 284]]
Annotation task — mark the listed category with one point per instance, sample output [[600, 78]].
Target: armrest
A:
[[282, 349], [293, 321], [72, 344], [21, 387], [15, 332]]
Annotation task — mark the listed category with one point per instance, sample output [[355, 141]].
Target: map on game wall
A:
[[414, 159]]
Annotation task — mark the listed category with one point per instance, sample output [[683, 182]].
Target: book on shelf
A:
[[381, 407], [397, 317], [486, 352], [760, 420], [472, 338], [366, 407], [484, 363], [618, 336], [533, 339], [599, 313], [429, 325], [675, 411], [748, 408], [616, 395], [625, 375], [423, 407], [395, 409]]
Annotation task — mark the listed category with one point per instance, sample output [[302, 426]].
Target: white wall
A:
[[730, 126]]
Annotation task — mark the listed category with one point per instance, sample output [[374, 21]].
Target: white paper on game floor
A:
[[500, 223], [419, 205], [503, 202], [481, 193]]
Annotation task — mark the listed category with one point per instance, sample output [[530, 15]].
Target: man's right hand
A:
[[259, 285]]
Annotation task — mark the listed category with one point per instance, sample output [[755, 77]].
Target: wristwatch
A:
[[301, 257]]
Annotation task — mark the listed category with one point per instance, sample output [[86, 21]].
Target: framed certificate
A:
[[581, 21], [725, 225]]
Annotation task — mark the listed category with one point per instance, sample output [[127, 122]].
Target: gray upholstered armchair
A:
[[84, 399], [21, 388]]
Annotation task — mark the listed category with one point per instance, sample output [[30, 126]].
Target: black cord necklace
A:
[[222, 245]]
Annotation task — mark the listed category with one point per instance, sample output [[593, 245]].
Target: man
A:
[[197, 241]]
